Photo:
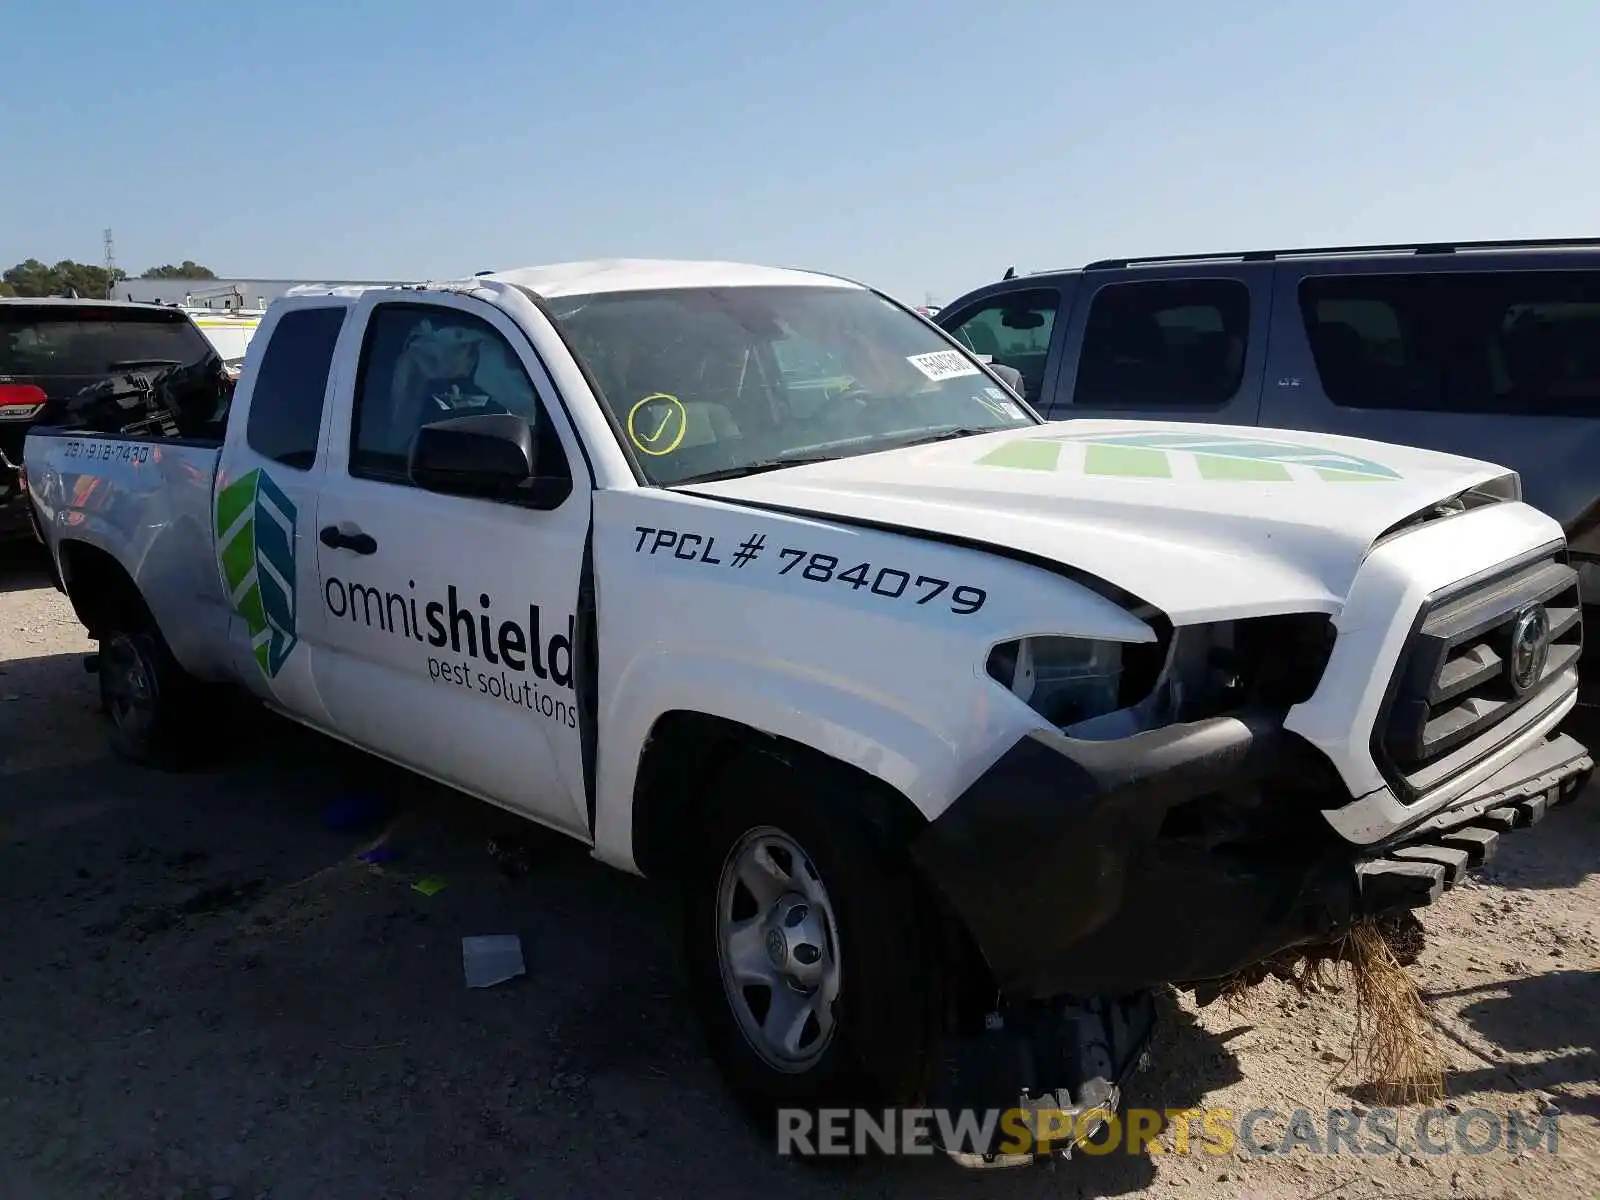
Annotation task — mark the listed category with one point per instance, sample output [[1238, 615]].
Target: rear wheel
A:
[[151, 701], [809, 946]]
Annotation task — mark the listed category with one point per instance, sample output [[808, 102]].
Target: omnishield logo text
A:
[[511, 659], [255, 550]]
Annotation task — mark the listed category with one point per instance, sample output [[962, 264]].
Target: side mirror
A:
[[490, 456]]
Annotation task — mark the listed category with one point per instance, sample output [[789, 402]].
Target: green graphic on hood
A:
[[1214, 458], [255, 549]]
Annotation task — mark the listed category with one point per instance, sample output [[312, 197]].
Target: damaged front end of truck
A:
[[1191, 838]]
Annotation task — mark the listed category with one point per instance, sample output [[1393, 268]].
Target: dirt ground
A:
[[204, 992]]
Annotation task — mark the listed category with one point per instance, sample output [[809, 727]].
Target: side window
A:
[[1507, 341], [1014, 331], [1178, 342], [424, 363], [286, 405], [1372, 338]]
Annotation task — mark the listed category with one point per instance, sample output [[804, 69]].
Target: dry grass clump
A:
[[1393, 1044]]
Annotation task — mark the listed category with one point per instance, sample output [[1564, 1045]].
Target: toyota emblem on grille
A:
[[1530, 647]]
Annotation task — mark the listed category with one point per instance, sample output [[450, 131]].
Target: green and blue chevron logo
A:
[[255, 549], [1194, 456]]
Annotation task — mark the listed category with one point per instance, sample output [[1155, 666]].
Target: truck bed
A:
[[145, 502]]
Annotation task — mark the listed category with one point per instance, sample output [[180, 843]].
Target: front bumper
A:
[[1186, 853]]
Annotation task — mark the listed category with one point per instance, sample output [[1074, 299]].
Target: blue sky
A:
[[920, 145]]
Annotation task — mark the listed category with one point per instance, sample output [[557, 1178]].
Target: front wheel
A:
[[810, 947]]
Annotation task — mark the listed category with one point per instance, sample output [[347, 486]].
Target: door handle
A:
[[357, 543]]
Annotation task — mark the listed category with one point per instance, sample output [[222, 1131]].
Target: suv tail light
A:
[[20, 401]]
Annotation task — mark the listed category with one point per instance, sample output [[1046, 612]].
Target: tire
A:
[[868, 922], [152, 703]]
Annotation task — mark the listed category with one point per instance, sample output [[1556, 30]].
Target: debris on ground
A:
[[431, 886], [511, 854], [355, 813], [1394, 1043], [491, 959]]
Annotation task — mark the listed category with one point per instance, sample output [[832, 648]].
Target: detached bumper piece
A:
[[1048, 1070], [1085, 868], [1188, 853], [1417, 870]]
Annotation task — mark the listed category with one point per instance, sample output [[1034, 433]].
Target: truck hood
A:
[[1205, 522]]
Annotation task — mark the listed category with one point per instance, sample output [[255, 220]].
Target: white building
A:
[[248, 294]]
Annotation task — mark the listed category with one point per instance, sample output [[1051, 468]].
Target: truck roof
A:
[[603, 275], [646, 274]]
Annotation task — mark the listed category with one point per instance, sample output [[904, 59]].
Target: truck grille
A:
[[1470, 679]]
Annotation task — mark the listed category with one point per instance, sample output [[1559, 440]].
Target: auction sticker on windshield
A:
[[943, 364]]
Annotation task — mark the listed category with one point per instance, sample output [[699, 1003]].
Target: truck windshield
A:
[[715, 383]]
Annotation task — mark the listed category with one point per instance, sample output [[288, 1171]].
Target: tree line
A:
[[34, 278]]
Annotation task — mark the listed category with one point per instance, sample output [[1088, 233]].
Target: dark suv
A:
[[62, 359], [1486, 349]]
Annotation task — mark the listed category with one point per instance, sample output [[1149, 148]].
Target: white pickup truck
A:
[[960, 731]]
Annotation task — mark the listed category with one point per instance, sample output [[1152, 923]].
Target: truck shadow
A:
[[205, 980], [1549, 1015], [48, 714], [24, 566], [1561, 851]]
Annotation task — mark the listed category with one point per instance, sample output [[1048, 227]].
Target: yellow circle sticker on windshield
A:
[[657, 423]]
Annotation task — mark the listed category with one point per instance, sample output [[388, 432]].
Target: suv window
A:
[[1014, 331], [1505, 341], [1169, 342], [286, 405], [48, 342], [423, 363]]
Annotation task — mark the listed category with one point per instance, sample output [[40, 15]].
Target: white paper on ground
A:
[[491, 959]]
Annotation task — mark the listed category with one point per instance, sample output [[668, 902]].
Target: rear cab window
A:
[[1164, 343], [1457, 341], [285, 421]]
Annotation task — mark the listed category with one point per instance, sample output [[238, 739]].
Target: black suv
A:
[[73, 361]]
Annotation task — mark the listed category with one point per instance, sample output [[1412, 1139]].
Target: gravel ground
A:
[[205, 993]]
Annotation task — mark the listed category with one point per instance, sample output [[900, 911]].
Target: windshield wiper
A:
[[122, 363], [943, 435], [757, 467]]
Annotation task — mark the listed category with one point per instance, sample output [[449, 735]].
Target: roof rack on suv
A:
[[1113, 264]]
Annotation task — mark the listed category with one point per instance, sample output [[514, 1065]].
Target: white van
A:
[[230, 332]]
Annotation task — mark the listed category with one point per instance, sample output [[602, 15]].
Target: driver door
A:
[[449, 620]]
